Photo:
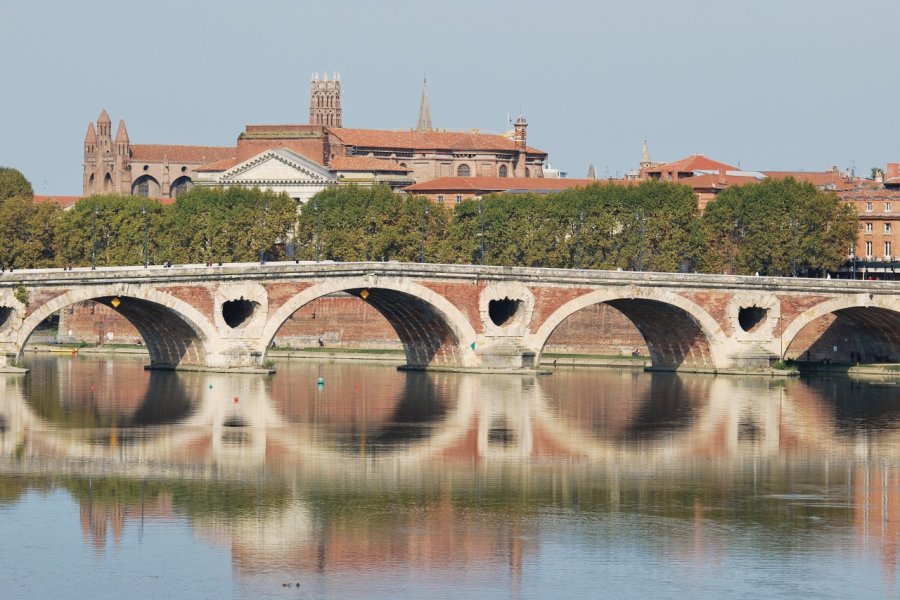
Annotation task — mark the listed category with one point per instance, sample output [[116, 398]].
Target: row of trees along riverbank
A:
[[770, 228]]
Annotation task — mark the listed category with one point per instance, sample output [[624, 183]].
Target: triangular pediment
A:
[[276, 165]]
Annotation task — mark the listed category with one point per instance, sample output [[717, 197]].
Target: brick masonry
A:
[[457, 315]]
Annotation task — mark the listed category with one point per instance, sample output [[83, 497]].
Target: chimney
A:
[[892, 170], [723, 179]]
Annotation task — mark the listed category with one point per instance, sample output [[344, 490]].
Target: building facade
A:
[[116, 166], [397, 158]]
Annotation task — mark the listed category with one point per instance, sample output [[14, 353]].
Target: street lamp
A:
[[94, 239], [318, 228], [262, 235], [578, 239], [640, 261], [481, 227], [424, 232], [793, 223], [146, 234]]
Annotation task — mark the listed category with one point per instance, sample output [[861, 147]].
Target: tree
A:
[[349, 223], [14, 185], [233, 224], [28, 233], [777, 227], [111, 230]]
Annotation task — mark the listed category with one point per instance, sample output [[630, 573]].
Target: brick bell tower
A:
[[325, 100]]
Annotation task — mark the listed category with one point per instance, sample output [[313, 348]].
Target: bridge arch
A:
[[864, 323], [176, 333], [678, 332], [433, 331]]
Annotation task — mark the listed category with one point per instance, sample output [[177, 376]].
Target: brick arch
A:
[[433, 331], [678, 332], [874, 319], [176, 333]]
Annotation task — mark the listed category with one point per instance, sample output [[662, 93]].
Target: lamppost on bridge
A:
[[94, 238], [146, 234], [578, 227], [262, 234], [640, 260], [793, 223], [481, 228], [318, 227], [424, 231]]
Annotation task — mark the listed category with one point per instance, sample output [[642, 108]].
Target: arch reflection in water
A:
[[73, 392]]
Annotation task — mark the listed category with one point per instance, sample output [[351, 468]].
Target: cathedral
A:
[[304, 159]]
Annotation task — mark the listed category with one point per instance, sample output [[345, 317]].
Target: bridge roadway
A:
[[464, 317]]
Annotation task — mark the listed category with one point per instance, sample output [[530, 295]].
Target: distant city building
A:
[[303, 159], [116, 166]]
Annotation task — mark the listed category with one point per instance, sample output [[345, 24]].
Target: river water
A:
[[376, 483]]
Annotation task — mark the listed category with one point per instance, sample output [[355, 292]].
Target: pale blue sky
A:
[[769, 84]]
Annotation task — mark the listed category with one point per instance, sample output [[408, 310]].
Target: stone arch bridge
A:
[[464, 316]]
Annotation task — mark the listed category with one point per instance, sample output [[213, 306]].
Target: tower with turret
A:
[[325, 100], [106, 159]]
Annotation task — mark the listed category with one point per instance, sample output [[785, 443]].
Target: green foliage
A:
[[647, 226], [14, 185], [21, 294], [233, 224], [350, 223], [111, 229], [773, 227], [777, 227], [28, 233]]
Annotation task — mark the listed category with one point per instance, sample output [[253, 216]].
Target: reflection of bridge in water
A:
[[489, 419], [520, 431]]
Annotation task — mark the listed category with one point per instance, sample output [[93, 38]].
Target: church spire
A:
[[645, 155], [121, 133], [424, 123], [592, 173]]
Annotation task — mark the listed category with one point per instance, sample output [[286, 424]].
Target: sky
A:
[[760, 84]]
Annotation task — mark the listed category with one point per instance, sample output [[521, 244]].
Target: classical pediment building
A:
[[275, 169], [301, 159]]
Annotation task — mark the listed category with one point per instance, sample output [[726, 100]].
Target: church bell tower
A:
[[325, 100]]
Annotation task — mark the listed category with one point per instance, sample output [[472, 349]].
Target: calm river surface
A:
[[119, 482]]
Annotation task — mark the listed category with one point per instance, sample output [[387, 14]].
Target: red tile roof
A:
[[500, 184], [63, 201], [180, 154], [818, 179], [689, 164], [426, 140], [707, 181], [219, 165], [366, 163]]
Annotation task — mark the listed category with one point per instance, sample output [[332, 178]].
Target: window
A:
[[440, 198], [868, 249], [463, 171], [887, 227], [887, 207], [502, 171], [887, 249], [458, 198], [527, 172], [868, 228], [868, 207]]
